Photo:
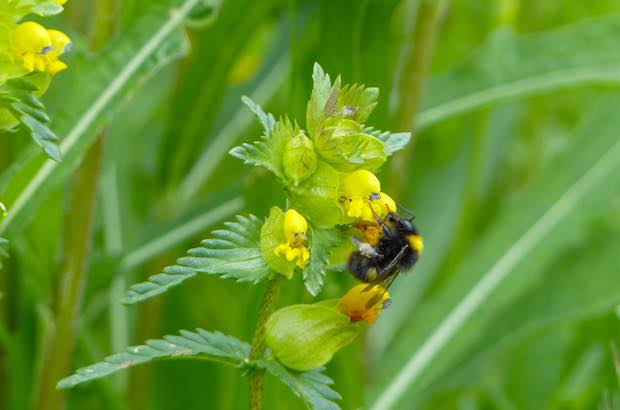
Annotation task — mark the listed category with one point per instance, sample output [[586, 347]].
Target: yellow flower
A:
[[361, 303], [295, 228], [61, 2], [356, 191], [38, 49]]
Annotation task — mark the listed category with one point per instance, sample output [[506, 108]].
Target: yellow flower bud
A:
[[361, 303]]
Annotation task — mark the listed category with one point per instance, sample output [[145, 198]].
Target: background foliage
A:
[[514, 178]]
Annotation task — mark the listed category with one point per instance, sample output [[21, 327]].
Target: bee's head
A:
[[407, 226], [392, 218]]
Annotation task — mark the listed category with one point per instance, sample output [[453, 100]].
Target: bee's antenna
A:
[[407, 211]]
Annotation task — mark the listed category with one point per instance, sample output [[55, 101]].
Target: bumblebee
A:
[[397, 249]]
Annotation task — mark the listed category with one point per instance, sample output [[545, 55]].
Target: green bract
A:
[[346, 147], [317, 197], [305, 337], [299, 160]]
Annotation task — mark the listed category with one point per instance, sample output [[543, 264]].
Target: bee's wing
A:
[[385, 283], [385, 278], [394, 262]]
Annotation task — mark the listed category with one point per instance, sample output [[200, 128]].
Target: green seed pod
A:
[[305, 337], [346, 147], [317, 197], [271, 235], [299, 160]]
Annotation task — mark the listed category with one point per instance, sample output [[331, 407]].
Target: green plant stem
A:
[[258, 341], [76, 246], [417, 62]]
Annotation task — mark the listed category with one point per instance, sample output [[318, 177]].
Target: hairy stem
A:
[[258, 341], [77, 240], [416, 65]]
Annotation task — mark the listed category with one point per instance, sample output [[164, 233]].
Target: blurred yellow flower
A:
[[295, 228], [38, 49], [31, 42], [364, 303]]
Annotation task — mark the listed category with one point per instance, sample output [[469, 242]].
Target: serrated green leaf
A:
[[266, 119], [392, 141], [321, 92], [17, 97], [532, 228], [201, 344], [508, 67], [331, 101], [232, 253], [313, 387], [323, 243], [268, 152], [356, 102]]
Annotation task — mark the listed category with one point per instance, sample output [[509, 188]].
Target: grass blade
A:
[[587, 173]]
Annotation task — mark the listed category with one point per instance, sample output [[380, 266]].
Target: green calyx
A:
[[272, 235], [305, 337], [299, 160]]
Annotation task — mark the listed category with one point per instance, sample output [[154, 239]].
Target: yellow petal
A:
[[55, 67], [291, 254], [355, 207], [355, 303], [360, 183], [28, 62], [303, 257], [60, 41], [39, 63], [30, 37], [280, 249], [295, 226]]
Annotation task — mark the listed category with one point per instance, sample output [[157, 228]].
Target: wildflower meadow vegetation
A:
[[233, 204]]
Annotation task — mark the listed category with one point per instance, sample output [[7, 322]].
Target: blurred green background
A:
[[513, 173]]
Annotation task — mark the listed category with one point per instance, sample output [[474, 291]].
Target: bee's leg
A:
[[364, 248], [386, 230]]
